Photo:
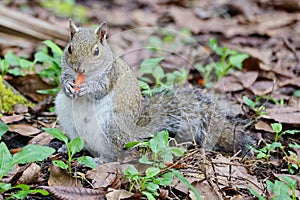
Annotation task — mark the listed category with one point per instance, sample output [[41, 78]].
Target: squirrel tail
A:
[[193, 115]]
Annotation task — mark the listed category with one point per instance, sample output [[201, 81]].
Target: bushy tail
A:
[[192, 115]]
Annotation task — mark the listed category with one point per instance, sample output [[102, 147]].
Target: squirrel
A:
[[107, 109]]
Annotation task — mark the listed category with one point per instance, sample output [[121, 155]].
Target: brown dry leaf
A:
[[263, 126], [246, 78], [12, 118], [290, 81], [43, 138], [143, 19], [104, 175], [185, 18], [71, 193], [262, 87], [205, 190], [229, 84], [118, 194], [59, 177], [30, 175], [24, 129], [237, 177], [288, 115], [266, 20]]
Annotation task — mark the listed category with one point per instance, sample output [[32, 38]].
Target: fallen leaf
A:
[[118, 194], [143, 18], [71, 193], [262, 87], [229, 84], [263, 126], [247, 78], [104, 175], [30, 175], [43, 138], [183, 17], [59, 177], [205, 190], [288, 115], [12, 118], [24, 129]]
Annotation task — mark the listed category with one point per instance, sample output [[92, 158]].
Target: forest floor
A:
[[245, 51]]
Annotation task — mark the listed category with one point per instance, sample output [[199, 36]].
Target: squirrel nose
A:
[[78, 69]]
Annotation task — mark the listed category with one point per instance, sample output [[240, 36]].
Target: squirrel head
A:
[[87, 49]]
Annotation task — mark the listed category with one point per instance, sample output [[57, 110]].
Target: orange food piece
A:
[[79, 80]]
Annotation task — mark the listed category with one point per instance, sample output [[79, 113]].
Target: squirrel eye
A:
[[70, 49], [96, 51]]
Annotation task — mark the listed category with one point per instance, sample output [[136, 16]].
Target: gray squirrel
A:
[[106, 108]]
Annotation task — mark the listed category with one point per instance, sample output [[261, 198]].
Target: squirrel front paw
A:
[[69, 88], [81, 90]]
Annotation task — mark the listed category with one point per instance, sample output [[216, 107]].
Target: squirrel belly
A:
[[106, 109]]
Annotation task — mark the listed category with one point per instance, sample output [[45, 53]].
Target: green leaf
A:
[[256, 194], [5, 160], [292, 183], [60, 164], [3, 129], [249, 102], [277, 127], [41, 57], [32, 153], [296, 93], [294, 145], [166, 179], [158, 73], [15, 71], [213, 44], [152, 187], [144, 159], [166, 155], [12, 59], [152, 171], [131, 144], [292, 132], [25, 64], [237, 60], [147, 66], [54, 48], [149, 195], [131, 171], [186, 183], [57, 133], [4, 187], [275, 145], [88, 161], [178, 151], [75, 145]]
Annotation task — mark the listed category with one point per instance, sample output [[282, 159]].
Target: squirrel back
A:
[[107, 110]]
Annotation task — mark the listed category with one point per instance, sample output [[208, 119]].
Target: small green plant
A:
[[279, 189], [66, 8], [73, 147], [229, 59], [277, 128], [156, 152], [293, 159], [170, 40], [254, 105], [29, 153], [48, 63], [162, 80]]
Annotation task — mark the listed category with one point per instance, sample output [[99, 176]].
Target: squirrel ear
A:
[[101, 31], [73, 28]]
